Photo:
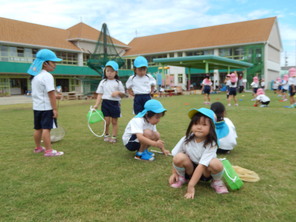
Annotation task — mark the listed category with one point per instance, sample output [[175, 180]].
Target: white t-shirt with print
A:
[[41, 85], [141, 85], [136, 125], [107, 87], [196, 151]]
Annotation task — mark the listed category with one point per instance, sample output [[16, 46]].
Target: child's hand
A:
[[190, 192], [166, 152], [115, 94], [160, 144], [173, 178]]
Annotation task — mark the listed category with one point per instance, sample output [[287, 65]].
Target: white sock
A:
[[180, 170], [218, 176]]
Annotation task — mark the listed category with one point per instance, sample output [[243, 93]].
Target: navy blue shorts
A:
[[111, 108], [202, 178], [44, 120], [291, 91], [207, 89], [133, 145], [232, 91], [139, 102], [255, 90]]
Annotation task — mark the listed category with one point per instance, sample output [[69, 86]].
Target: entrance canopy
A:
[[206, 62]]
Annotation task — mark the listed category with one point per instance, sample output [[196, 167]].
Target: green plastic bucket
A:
[[230, 176], [94, 116]]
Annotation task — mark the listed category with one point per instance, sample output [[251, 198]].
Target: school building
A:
[[177, 59]]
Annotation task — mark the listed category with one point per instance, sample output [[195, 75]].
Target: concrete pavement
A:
[[15, 100]]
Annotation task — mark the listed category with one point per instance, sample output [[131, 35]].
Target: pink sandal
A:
[[39, 149], [53, 153], [219, 186], [179, 183]]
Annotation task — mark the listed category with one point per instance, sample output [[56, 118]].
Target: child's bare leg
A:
[[151, 135], [181, 160], [46, 139], [214, 167], [114, 127], [37, 137], [107, 119]]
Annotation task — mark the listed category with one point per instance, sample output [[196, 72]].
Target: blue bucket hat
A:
[[140, 61], [112, 64], [42, 56], [152, 105], [207, 112]]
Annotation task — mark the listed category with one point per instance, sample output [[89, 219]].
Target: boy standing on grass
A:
[[44, 100]]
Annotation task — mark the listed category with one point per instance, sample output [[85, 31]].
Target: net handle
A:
[[89, 127]]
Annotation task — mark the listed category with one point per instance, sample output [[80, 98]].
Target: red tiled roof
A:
[[24, 33], [213, 36]]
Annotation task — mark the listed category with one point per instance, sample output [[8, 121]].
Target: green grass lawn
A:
[[97, 181]]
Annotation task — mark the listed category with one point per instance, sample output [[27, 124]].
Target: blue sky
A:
[[127, 19]]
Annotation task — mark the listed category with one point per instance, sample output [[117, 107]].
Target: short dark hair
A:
[[149, 114]]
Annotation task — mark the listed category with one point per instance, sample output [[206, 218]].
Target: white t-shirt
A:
[[228, 82], [228, 141], [196, 151], [205, 83], [141, 85], [255, 84], [107, 87], [263, 98], [275, 85], [292, 81], [41, 85], [136, 125], [285, 85]]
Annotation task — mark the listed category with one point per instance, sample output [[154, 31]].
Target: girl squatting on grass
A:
[[195, 156], [141, 84], [44, 100], [110, 91], [141, 132]]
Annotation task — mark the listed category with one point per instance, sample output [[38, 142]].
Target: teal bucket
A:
[[94, 116]]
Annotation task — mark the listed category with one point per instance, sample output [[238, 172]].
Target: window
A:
[[180, 78], [20, 52]]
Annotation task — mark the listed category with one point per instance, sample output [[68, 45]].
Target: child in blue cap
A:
[[141, 84], [44, 100], [110, 91], [195, 156], [141, 132]]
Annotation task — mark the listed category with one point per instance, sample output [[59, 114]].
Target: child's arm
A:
[[159, 143], [194, 180], [98, 101], [118, 93], [130, 92], [152, 89], [52, 99]]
